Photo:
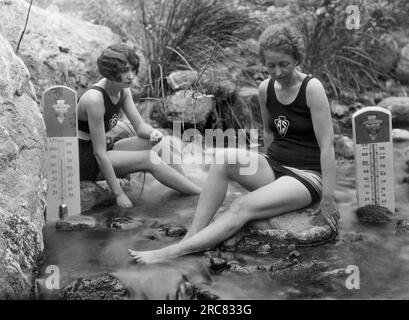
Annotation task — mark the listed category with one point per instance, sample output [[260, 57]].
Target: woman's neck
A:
[[111, 88], [291, 81]]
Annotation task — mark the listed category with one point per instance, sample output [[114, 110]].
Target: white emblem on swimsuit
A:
[[113, 121], [282, 125]]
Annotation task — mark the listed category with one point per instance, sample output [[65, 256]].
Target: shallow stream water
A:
[[381, 254]]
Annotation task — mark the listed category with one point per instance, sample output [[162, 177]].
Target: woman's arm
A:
[[141, 128], [318, 103], [94, 106], [262, 99]]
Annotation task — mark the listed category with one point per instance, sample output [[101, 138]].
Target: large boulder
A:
[[189, 107], [57, 49], [302, 227], [22, 171], [399, 107]]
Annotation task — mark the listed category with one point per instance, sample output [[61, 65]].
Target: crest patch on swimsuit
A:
[[282, 125], [113, 121]]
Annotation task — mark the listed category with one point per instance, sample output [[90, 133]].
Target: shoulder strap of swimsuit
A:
[[303, 89], [271, 95]]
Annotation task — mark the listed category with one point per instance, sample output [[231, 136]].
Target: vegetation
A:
[[349, 61]]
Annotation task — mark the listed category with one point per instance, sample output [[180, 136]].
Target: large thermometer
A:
[[372, 132], [63, 183]]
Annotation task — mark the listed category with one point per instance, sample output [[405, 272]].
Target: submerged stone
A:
[[402, 226], [175, 231], [105, 287], [76, 223], [302, 227], [374, 214]]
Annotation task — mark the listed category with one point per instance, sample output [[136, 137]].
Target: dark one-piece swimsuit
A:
[[294, 150], [89, 168]]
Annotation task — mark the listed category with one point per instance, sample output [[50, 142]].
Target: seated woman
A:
[[98, 112], [298, 169]]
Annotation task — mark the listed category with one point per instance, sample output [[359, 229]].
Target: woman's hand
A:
[[123, 201], [328, 209], [155, 136]]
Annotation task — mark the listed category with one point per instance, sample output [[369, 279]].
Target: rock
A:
[[78, 222], [344, 147], [21, 252], [202, 294], [402, 69], [165, 231], [247, 269], [294, 254], [302, 227], [400, 135], [175, 231], [219, 81], [301, 272], [22, 176], [57, 49], [188, 107], [193, 291], [402, 226], [217, 264], [374, 214], [105, 287], [128, 223], [182, 80], [338, 110], [93, 195], [264, 249], [214, 81], [353, 237], [282, 264], [399, 107]]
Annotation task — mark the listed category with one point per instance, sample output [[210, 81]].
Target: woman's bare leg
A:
[[283, 195], [167, 149], [221, 171], [125, 162]]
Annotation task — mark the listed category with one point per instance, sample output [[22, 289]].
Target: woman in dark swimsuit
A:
[[298, 169], [98, 111]]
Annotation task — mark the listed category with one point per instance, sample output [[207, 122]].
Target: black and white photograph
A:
[[227, 151]]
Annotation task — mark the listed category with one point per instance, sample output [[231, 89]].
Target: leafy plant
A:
[[347, 60], [189, 34]]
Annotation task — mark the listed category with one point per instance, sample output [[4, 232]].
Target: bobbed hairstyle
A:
[[116, 59], [284, 38]]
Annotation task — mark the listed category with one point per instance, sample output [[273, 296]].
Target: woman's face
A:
[[127, 78], [280, 66]]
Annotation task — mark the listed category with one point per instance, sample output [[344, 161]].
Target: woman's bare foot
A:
[[153, 255]]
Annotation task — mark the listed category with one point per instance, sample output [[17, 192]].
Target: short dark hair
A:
[[282, 37], [115, 59]]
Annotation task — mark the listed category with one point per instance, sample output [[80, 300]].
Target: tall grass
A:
[[189, 34], [346, 60]]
